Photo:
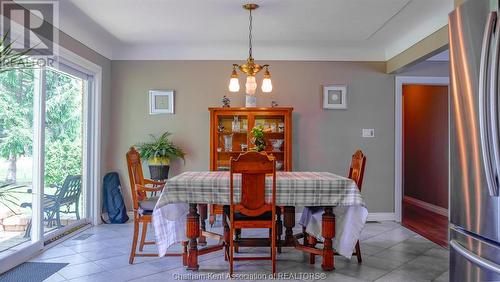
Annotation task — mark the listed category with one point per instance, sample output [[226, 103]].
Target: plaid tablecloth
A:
[[292, 189]]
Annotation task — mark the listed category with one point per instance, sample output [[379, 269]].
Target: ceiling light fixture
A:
[[250, 68]]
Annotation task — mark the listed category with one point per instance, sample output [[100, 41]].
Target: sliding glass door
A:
[[64, 197], [44, 191], [16, 161]]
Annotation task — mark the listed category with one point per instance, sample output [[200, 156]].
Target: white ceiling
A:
[[283, 30]]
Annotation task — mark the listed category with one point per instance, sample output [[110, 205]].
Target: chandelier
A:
[[250, 68]]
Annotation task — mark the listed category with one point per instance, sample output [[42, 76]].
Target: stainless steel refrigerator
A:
[[474, 30]]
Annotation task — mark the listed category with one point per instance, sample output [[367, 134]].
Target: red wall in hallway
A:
[[425, 143]]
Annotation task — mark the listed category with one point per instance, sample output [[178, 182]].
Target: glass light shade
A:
[[267, 85], [251, 85], [234, 84]]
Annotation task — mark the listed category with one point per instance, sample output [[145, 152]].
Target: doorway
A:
[[41, 137], [425, 132], [47, 175]]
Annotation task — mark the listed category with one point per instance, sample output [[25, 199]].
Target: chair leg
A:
[[304, 235], [134, 241], [238, 236], [226, 237], [50, 218], [58, 218], [311, 241], [358, 252], [184, 253], [273, 249], [270, 239], [143, 235], [279, 226], [231, 252], [27, 233]]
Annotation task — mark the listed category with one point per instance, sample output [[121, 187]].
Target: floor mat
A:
[[31, 272]]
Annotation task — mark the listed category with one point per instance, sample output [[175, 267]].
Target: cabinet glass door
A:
[[274, 136], [232, 138]]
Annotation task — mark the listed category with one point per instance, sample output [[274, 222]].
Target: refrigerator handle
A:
[[475, 259], [484, 102], [494, 115]]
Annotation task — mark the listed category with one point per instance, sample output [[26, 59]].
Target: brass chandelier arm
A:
[[250, 68]]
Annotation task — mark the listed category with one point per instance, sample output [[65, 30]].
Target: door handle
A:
[[493, 94], [484, 101], [475, 259]]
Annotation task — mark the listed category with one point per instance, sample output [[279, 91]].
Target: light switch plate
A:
[[368, 132]]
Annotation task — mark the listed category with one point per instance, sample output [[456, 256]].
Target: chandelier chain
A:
[[250, 35]]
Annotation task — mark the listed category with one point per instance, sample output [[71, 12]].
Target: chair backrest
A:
[[253, 167], [135, 175], [357, 169], [70, 190]]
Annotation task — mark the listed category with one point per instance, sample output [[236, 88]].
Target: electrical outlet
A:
[[368, 132]]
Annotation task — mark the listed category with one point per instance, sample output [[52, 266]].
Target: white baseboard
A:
[[426, 206], [377, 216], [374, 216], [381, 216]]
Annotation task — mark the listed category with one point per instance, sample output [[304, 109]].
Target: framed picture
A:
[[161, 102], [335, 97]]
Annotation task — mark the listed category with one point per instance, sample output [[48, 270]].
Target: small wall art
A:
[[161, 102], [335, 97]]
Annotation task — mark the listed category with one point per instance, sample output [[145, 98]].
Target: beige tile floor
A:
[[390, 252]]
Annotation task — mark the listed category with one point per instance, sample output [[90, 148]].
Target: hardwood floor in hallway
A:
[[428, 224]]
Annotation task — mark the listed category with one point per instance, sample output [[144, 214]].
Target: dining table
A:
[[332, 204]]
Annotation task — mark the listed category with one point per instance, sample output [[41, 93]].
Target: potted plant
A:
[[159, 153], [10, 59], [258, 139]]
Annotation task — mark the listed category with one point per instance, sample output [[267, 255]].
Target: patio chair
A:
[[65, 196]]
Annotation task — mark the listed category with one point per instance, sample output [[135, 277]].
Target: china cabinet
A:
[[231, 134]]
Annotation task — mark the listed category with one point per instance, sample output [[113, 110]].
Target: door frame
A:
[[398, 136], [92, 167], [92, 127]]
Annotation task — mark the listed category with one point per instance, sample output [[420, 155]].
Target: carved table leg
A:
[[289, 224], [202, 240], [328, 232], [193, 232]]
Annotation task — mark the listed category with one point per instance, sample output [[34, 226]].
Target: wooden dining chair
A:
[[143, 206], [252, 211], [356, 173]]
